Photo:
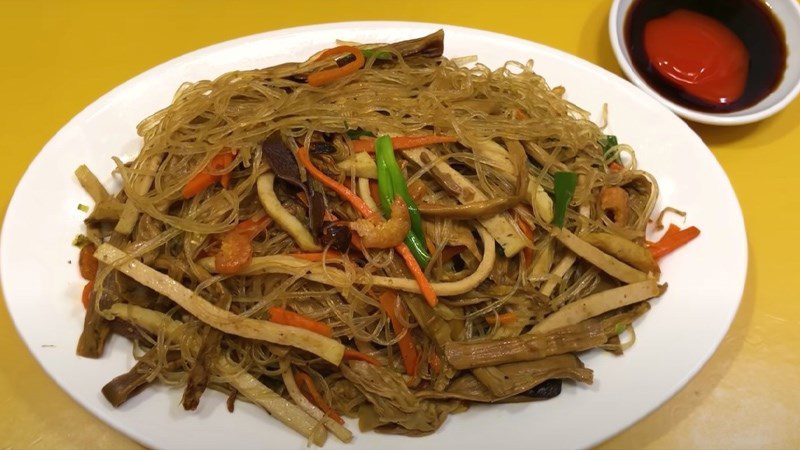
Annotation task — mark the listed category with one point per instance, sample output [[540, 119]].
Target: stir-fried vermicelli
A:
[[379, 232]]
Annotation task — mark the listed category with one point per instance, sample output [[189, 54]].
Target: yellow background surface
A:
[[58, 57]]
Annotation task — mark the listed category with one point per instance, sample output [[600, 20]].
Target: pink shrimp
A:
[[378, 233], [614, 202]]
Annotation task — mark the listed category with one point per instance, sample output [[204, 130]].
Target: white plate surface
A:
[[674, 339]]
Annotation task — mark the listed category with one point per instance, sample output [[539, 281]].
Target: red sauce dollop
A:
[[698, 54]]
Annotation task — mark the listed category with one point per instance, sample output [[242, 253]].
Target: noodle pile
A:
[[402, 90]]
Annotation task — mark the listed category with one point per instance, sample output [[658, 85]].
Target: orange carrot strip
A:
[[373, 192], [674, 241], [204, 179], [225, 178], [672, 229], [504, 319], [285, 317], [615, 167], [324, 77], [355, 355], [342, 190], [198, 184], [424, 285], [430, 246], [408, 350], [236, 246], [334, 51], [416, 271], [527, 253], [253, 226], [305, 383], [87, 263], [87, 294], [402, 142], [316, 257]]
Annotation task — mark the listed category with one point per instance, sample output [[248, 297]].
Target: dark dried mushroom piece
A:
[[545, 390], [345, 59], [321, 148], [282, 160], [316, 206], [337, 235]]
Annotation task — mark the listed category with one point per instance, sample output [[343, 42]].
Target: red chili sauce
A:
[[708, 55]]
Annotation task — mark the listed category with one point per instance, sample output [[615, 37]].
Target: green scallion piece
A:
[[564, 187]]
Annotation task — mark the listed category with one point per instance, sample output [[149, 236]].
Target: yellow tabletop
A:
[[58, 57]]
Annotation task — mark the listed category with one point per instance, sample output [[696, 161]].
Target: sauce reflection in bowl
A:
[[723, 62]]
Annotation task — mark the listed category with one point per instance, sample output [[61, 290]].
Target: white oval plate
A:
[[674, 339]]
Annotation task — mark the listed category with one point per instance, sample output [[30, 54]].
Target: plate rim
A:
[[101, 102]]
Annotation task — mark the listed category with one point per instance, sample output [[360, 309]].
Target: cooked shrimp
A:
[[378, 233], [614, 203]]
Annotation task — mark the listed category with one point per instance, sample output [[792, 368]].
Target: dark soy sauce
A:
[[753, 23]]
